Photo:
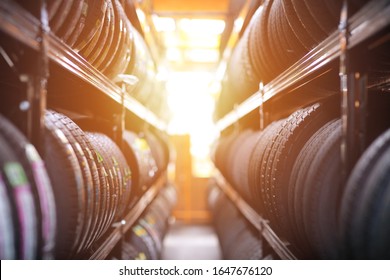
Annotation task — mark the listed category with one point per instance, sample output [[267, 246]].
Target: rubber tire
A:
[[39, 180], [365, 186], [67, 181]]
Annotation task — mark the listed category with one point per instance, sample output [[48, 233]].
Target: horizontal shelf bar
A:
[[110, 242], [365, 23], [255, 219], [22, 26]]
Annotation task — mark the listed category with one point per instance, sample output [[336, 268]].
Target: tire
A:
[[308, 21], [140, 156], [113, 44], [91, 54], [321, 197], [231, 157], [60, 15], [107, 187], [80, 25], [62, 122], [246, 247], [142, 241], [366, 194], [40, 183], [297, 186], [121, 58], [265, 146], [71, 20], [92, 176], [86, 50], [22, 203], [92, 22], [123, 173], [52, 8], [69, 192], [101, 142], [295, 133], [8, 250]]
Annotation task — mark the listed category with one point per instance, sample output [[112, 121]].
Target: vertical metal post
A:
[[343, 28], [261, 107], [37, 84], [353, 87]]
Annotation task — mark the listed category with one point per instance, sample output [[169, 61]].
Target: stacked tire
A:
[[364, 215], [102, 33], [237, 238], [261, 166], [291, 175], [279, 33], [91, 183], [62, 205], [148, 156], [144, 239]]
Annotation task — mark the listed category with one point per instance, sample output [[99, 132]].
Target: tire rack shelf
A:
[[262, 225], [367, 22], [24, 27], [132, 216]]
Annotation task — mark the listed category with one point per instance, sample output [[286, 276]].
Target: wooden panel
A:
[[190, 6]]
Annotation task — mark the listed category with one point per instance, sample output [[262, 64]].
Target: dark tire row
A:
[[107, 34], [88, 186], [291, 175], [260, 164], [144, 240], [365, 208], [91, 182], [237, 238], [279, 34]]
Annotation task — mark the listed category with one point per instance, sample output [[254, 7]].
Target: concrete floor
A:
[[191, 242]]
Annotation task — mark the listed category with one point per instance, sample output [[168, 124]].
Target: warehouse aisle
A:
[[191, 242]]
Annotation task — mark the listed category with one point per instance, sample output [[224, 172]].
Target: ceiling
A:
[[200, 8], [192, 34]]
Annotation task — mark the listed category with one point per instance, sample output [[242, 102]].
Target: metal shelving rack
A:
[[24, 27], [33, 32], [363, 25]]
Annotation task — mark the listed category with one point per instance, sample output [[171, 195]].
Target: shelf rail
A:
[[24, 27], [367, 22], [261, 224]]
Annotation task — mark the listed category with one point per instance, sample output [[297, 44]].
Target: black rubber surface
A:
[[60, 15], [92, 177], [102, 144], [297, 185], [141, 161], [22, 200], [68, 186], [93, 21], [37, 175], [7, 234], [71, 20], [61, 122], [21, 203], [363, 216]]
